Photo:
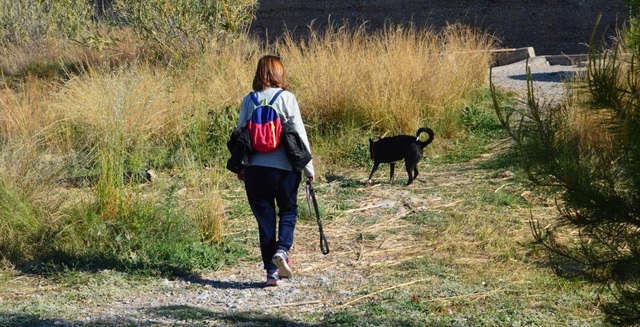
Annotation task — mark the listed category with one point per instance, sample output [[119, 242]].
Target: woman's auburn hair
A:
[[270, 73]]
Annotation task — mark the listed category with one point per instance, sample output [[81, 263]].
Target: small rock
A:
[[323, 281], [385, 203], [505, 174], [293, 291]]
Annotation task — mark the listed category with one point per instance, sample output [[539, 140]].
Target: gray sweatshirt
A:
[[288, 106]]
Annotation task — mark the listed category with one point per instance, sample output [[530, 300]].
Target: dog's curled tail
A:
[[425, 130]]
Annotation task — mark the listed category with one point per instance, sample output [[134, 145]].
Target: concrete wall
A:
[[551, 27]]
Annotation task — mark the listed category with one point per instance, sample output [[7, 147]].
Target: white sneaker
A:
[[283, 261]]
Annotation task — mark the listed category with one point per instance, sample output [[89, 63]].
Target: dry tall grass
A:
[[392, 81], [588, 129], [136, 103]]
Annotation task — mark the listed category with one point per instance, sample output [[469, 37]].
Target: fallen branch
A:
[[446, 205], [292, 304], [366, 208], [499, 188]]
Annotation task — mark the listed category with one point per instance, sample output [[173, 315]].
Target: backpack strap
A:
[[273, 100], [254, 97], [275, 97]]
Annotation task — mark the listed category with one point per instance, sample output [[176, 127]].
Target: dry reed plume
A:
[[394, 80]]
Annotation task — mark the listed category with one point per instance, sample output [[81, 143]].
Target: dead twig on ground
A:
[[292, 304]]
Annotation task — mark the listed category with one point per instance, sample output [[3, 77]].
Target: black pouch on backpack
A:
[[238, 145], [297, 153]]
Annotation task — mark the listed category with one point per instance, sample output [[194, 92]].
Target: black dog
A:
[[394, 148]]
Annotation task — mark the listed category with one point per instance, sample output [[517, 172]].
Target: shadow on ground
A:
[[183, 315], [160, 316], [551, 77], [227, 285]]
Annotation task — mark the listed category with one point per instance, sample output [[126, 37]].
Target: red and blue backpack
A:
[[264, 124]]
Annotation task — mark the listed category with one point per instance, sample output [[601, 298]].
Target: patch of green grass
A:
[[345, 145], [503, 198], [21, 225], [480, 307], [368, 237], [481, 123], [428, 266], [181, 313], [349, 188], [160, 238], [509, 158], [481, 128], [471, 147], [428, 218], [359, 155]]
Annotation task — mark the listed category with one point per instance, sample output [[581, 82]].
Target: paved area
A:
[[548, 79]]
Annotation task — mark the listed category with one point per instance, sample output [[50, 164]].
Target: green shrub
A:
[[588, 150], [21, 226], [181, 28], [25, 21]]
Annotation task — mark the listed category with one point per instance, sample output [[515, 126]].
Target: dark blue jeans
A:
[[267, 187]]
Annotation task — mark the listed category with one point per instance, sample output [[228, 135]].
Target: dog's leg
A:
[[393, 168], [410, 167], [375, 167], [415, 174]]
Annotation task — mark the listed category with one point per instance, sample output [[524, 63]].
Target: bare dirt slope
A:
[[550, 26]]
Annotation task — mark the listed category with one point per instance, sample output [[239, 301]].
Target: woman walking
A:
[[270, 182]]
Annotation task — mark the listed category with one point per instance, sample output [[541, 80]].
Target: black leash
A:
[[311, 198]]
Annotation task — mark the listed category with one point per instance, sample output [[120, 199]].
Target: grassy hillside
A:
[[76, 112], [91, 109]]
